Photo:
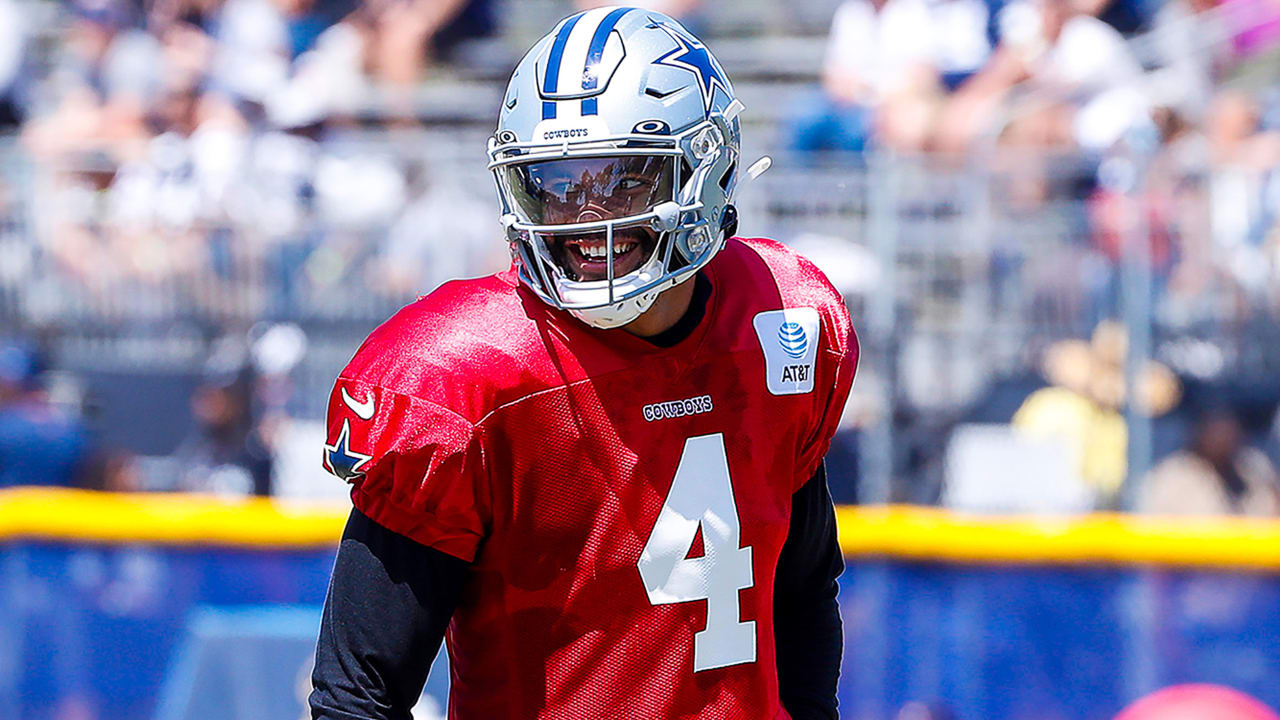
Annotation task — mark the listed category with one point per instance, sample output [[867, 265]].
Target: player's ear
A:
[[729, 221]]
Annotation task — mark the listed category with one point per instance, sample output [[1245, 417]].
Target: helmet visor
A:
[[579, 190]]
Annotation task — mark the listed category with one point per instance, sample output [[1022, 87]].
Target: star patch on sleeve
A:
[[341, 460]]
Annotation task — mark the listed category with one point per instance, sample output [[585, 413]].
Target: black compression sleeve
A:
[[390, 600], [806, 616]]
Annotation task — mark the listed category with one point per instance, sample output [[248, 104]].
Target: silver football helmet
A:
[[616, 158]]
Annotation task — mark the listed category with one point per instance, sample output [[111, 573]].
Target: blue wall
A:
[[104, 625], [142, 632], [1004, 643]]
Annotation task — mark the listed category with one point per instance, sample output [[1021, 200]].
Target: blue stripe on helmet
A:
[[595, 52], [551, 80]]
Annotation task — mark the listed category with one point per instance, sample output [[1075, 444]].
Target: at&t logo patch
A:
[[789, 339], [793, 339]]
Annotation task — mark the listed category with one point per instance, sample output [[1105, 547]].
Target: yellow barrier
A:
[[906, 533], [929, 534], [169, 519]]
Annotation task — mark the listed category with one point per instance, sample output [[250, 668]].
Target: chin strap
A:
[[729, 222], [613, 316]]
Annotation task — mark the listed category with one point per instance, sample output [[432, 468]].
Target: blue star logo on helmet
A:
[[793, 340], [693, 56]]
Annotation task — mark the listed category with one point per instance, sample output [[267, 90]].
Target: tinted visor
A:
[[579, 190]]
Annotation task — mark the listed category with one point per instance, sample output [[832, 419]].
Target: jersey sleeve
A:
[[416, 468], [836, 364]]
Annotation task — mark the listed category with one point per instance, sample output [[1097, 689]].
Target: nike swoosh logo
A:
[[363, 410]]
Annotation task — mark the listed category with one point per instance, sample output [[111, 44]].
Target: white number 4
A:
[[702, 496]]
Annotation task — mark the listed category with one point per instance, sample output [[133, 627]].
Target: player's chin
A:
[[585, 257]]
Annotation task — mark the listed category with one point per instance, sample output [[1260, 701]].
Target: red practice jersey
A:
[[623, 505]]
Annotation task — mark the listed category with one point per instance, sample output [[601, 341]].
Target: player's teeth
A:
[[602, 251]]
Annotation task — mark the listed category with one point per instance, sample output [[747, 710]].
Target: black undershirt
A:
[[390, 600], [688, 322]]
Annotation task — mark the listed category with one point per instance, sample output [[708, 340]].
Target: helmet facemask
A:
[[595, 209], [566, 206], [615, 160]]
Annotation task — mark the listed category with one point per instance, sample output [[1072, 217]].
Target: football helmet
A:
[[615, 158]]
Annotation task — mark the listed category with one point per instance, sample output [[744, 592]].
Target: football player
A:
[[598, 475]]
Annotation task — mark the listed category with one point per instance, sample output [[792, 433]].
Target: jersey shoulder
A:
[[457, 347], [766, 275]]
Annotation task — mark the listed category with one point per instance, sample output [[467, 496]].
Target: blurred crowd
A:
[[1157, 126], [197, 151], [949, 76], [299, 167], [1075, 99]]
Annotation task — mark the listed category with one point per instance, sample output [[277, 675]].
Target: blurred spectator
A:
[[961, 45], [1128, 17], [227, 453], [1188, 39], [1217, 474], [290, 62], [1213, 189], [1080, 408], [1243, 159], [1060, 79], [1082, 405], [303, 62], [402, 38], [40, 444], [458, 244], [884, 71], [107, 74], [112, 471]]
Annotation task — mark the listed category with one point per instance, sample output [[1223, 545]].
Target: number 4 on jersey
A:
[[702, 496]]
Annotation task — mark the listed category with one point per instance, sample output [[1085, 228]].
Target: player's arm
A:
[[806, 615], [389, 602]]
